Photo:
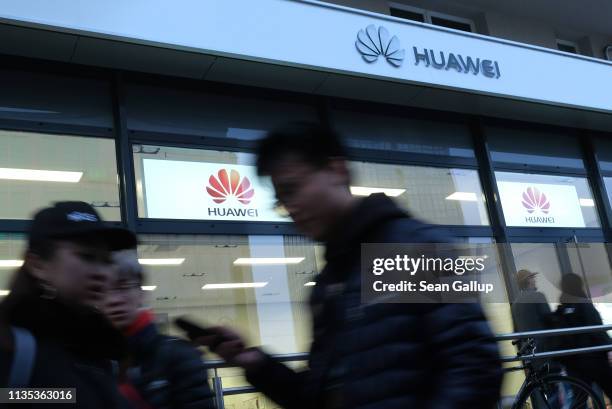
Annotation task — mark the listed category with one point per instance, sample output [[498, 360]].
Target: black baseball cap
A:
[[66, 220]]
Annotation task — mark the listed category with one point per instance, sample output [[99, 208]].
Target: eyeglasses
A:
[[124, 287]]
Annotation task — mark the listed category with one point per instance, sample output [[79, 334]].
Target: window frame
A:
[[567, 43], [428, 14], [45, 128]]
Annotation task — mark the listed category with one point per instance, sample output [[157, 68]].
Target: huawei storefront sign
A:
[[206, 191], [540, 205]]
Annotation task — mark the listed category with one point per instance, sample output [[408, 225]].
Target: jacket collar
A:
[[354, 228]]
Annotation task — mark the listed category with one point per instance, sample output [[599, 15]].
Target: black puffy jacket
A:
[[167, 372], [421, 356], [74, 349]]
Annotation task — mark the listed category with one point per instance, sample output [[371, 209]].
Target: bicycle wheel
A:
[[559, 392]]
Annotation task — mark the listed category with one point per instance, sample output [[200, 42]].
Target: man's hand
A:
[[230, 346]]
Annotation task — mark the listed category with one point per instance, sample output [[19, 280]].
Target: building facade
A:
[[150, 112]]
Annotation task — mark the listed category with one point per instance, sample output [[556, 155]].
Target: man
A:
[[422, 356], [163, 372], [530, 308]]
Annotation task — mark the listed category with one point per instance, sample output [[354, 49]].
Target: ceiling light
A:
[[367, 191], [148, 287], [310, 284], [10, 263], [161, 261], [587, 202], [233, 285], [463, 196], [40, 175], [4, 293], [254, 261]]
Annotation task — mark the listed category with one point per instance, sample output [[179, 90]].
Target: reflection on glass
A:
[[362, 128], [37, 170], [549, 261], [438, 195], [42, 97], [535, 200], [591, 261], [608, 183], [542, 259], [218, 115], [603, 148], [534, 147]]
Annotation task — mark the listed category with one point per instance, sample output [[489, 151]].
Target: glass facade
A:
[[382, 130], [428, 163], [218, 115], [39, 169], [546, 200], [438, 195], [528, 147]]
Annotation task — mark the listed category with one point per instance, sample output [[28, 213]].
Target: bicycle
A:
[[545, 390]]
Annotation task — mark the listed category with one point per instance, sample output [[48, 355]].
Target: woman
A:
[[55, 299], [576, 310]]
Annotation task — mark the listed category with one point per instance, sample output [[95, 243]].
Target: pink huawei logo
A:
[[534, 200], [226, 184]]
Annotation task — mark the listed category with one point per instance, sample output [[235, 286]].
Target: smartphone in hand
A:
[[192, 329]]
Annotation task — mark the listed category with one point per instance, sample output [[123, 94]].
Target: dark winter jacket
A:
[[421, 356], [74, 349], [580, 314], [167, 373]]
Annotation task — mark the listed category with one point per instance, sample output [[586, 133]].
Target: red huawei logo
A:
[[534, 200], [224, 185]]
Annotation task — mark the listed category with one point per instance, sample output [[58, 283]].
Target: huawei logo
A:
[[373, 42], [534, 200], [224, 185]]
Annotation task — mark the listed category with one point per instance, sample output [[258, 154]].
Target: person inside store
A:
[[531, 310], [577, 310], [52, 332], [161, 371], [429, 356]]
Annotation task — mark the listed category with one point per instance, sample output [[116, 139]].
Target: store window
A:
[[364, 129], [535, 200], [42, 97], [39, 169], [12, 247], [608, 184], [438, 195], [427, 16], [533, 148], [567, 46], [603, 148], [550, 261], [198, 184], [184, 183], [453, 22], [407, 14], [258, 285], [178, 111]]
